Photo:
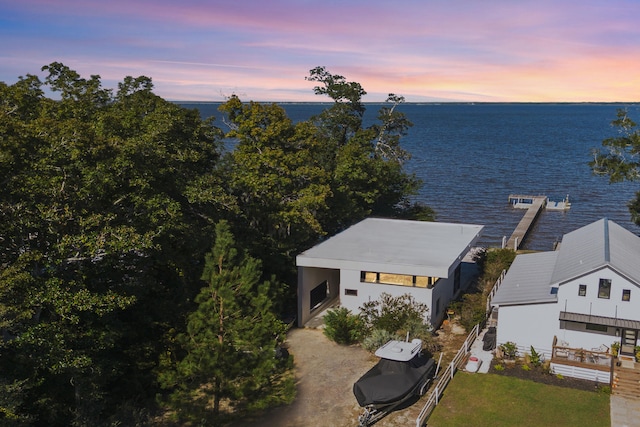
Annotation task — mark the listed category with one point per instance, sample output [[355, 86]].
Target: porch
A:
[[597, 358], [594, 365]]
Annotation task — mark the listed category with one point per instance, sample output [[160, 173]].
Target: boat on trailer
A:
[[402, 372]]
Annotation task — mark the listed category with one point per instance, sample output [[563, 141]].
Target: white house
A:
[[585, 295], [380, 255]]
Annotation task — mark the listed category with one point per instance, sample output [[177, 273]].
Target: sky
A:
[[262, 50]]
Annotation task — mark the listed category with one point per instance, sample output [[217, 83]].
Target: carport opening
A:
[[319, 294]]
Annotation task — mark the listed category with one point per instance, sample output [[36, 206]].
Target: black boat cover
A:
[[390, 381]]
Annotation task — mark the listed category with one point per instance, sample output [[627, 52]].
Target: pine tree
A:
[[231, 338]]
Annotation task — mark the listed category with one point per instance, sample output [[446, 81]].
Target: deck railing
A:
[[594, 358], [448, 374]]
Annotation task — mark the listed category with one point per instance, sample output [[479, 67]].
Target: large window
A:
[[604, 288], [398, 279]]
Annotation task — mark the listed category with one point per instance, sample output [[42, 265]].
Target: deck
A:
[[533, 204]]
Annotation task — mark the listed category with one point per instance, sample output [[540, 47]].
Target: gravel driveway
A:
[[325, 373]]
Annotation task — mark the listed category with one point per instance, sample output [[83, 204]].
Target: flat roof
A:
[[419, 248]]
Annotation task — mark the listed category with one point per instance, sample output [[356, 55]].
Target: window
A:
[[626, 295], [604, 288], [351, 292], [397, 279], [582, 290], [595, 327]]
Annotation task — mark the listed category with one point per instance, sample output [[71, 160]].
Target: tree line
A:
[[146, 270]]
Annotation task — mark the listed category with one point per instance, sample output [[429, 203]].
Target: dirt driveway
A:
[[325, 373]]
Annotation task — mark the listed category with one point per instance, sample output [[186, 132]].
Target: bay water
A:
[[471, 157]]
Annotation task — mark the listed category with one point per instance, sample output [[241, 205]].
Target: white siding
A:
[[528, 325], [613, 307], [350, 279]]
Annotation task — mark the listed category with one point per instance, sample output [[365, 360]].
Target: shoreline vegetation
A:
[[146, 271], [420, 103]]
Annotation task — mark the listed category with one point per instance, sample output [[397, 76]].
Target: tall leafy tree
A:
[[298, 182], [619, 157], [278, 176], [368, 176], [105, 200], [229, 347]]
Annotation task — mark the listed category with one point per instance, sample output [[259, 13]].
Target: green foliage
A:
[[377, 338], [492, 263], [535, 358], [615, 348], [395, 314], [296, 183], [498, 368], [509, 350], [471, 310], [392, 317], [472, 306], [99, 225], [343, 327], [108, 202], [228, 350], [618, 157], [526, 367]]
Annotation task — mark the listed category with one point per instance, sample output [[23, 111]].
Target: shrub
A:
[[395, 314], [535, 358], [377, 339], [498, 368], [509, 350], [343, 327], [526, 367], [472, 310]]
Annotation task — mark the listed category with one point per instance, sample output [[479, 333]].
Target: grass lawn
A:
[[490, 400]]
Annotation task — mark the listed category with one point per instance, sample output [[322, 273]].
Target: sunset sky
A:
[[261, 50]]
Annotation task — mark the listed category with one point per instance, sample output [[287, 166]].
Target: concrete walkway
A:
[[485, 356], [624, 412]]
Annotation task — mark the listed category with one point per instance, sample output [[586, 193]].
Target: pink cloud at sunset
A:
[[495, 51]]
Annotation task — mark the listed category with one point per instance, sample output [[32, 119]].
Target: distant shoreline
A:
[[422, 103]]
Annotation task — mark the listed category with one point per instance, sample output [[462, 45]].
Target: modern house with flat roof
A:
[[377, 255]]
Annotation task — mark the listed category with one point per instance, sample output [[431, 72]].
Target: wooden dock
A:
[[533, 205]]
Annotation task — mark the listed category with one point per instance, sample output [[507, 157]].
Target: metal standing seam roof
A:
[[395, 246], [594, 246], [599, 320], [527, 281], [587, 249]]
